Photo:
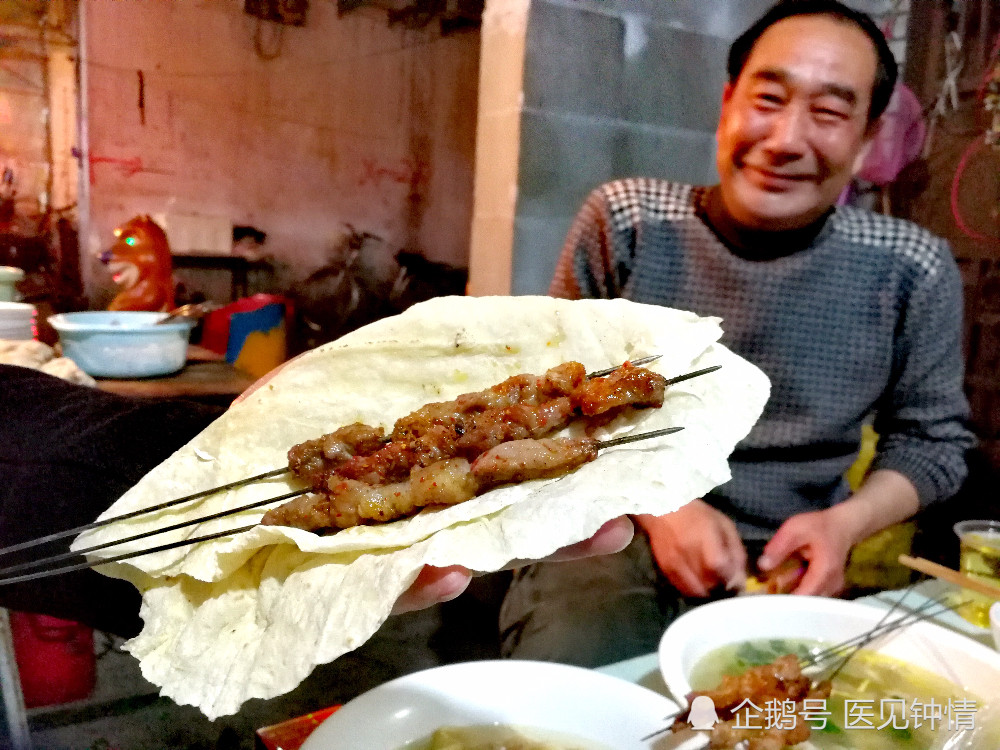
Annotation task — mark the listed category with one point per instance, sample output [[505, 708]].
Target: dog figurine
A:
[[140, 263]]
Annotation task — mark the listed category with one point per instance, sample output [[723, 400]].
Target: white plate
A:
[[924, 644], [581, 703]]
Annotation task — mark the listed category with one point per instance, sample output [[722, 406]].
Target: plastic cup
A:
[[9, 276], [995, 623], [979, 558]]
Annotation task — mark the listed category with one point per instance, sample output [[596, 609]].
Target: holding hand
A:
[[824, 538], [436, 585], [697, 548], [818, 540]]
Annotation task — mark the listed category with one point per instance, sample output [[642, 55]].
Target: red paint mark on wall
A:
[[128, 166], [402, 172]]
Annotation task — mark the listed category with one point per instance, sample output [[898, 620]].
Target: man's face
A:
[[794, 125]]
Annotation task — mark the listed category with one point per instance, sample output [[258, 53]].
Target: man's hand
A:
[[697, 548], [435, 585], [821, 542], [824, 538]]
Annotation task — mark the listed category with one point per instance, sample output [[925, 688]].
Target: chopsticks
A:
[[949, 575], [6, 578]]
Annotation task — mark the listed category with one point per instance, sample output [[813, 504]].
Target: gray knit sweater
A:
[[864, 323]]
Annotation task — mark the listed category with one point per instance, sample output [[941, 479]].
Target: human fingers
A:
[[612, 537], [821, 579], [728, 560], [698, 548], [433, 586], [805, 540]]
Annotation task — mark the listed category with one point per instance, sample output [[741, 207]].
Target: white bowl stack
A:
[[17, 321]]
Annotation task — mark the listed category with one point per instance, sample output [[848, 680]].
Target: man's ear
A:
[[727, 92], [727, 95], [871, 131]]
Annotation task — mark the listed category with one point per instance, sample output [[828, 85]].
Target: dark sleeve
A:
[[923, 422], [67, 452]]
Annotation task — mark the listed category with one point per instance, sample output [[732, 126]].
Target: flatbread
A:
[[250, 616]]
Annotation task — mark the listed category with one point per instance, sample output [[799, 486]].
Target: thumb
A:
[[781, 547], [433, 586]]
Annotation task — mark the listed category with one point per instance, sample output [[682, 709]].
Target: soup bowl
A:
[[552, 702], [957, 658], [123, 344]]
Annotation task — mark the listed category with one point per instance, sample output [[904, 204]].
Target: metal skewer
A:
[[5, 578], [640, 361], [146, 534], [123, 556], [55, 536], [695, 374], [634, 438], [142, 511]]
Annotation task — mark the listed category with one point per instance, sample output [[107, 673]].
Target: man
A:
[[851, 315]]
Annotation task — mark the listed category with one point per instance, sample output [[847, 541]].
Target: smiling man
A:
[[854, 316]]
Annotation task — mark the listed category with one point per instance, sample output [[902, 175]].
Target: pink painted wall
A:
[[354, 122]]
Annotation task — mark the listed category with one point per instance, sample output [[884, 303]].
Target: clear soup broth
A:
[[878, 686], [501, 737]]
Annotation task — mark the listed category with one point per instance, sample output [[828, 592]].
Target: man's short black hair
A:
[[885, 71]]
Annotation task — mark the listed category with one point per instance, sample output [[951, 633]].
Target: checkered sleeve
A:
[[923, 415], [585, 267]]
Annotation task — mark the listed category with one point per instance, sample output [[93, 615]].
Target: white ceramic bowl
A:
[[924, 644], [124, 344], [582, 703], [17, 321]]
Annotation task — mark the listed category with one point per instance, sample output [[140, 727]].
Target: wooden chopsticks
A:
[[949, 575]]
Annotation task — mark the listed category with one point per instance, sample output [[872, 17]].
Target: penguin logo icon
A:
[[702, 714]]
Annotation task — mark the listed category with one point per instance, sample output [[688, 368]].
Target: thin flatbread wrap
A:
[[250, 616]]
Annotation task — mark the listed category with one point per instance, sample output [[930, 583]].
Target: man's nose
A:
[[789, 132]]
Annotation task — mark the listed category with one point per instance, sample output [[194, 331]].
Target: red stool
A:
[[55, 658]]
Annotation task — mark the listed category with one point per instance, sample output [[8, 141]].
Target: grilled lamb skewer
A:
[[530, 390], [313, 460], [349, 502], [524, 406]]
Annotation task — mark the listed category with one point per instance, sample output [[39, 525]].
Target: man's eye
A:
[[830, 115], [769, 99]]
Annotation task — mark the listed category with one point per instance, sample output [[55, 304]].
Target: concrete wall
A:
[[610, 88], [353, 122], [38, 110]]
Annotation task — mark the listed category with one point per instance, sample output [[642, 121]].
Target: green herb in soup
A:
[[501, 737], [866, 694], [737, 658]]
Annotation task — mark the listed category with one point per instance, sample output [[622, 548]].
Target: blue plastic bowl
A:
[[123, 344]]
